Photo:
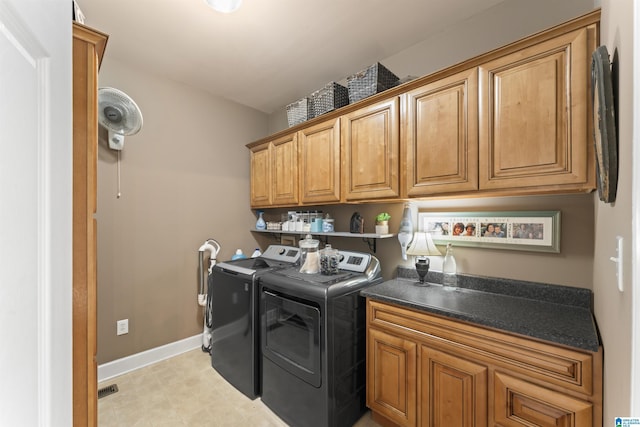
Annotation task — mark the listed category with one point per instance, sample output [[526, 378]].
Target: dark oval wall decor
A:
[[604, 125]]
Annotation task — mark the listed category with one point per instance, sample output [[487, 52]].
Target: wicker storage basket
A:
[[329, 98], [299, 111], [374, 79]]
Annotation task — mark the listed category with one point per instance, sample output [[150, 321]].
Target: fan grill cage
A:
[[131, 121]]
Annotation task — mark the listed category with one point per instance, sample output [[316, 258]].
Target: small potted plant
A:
[[382, 223]]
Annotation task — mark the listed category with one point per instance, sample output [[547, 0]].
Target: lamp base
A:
[[422, 267]]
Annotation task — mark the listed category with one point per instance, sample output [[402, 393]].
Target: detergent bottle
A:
[[238, 255]]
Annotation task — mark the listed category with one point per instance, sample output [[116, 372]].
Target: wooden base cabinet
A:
[[391, 377], [454, 390], [521, 403], [430, 371]]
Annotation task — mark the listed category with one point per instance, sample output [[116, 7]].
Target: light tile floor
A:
[[184, 391]]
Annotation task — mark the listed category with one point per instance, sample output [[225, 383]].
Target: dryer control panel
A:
[[354, 261]]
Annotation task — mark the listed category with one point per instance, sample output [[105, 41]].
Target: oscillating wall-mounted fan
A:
[[119, 114]]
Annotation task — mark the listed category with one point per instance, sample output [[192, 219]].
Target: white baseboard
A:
[[117, 367]]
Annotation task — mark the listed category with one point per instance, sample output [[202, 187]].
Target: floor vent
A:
[[106, 391]]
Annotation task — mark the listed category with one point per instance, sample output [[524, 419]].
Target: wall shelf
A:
[[369, 238]]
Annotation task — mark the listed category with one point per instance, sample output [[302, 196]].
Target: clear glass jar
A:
[[449, 269], [309, 256], [329, 260]]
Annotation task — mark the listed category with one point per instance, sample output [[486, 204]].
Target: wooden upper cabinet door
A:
[[260, 176], [534, 116], [391, 377], [454, 390], [284, 170], [320, 162], [441, 136], [370, 143]]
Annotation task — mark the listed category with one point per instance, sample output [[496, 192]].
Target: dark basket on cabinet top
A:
[[329, 98], [374, 79], [300, 111]]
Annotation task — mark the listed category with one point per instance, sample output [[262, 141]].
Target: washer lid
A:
[[275, 256], [247, 266]]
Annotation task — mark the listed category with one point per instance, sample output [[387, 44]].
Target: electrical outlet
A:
[[122, 327]]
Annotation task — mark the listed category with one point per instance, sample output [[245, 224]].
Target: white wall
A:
[[184, 179], [613, 309], [635, 352]]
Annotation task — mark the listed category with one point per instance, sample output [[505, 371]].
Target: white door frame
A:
[[36, 213]]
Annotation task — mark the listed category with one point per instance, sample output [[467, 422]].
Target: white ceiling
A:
[[270, 52]]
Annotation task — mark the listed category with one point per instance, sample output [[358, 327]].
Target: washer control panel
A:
[[282, 253]]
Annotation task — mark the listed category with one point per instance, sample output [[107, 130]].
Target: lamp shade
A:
[[422, 245], [224, 6]]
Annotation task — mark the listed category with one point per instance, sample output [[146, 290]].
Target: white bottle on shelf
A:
[[449, 269], [260, 223], [256, 253]]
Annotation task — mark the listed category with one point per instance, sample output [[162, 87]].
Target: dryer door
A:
[[291, 335]]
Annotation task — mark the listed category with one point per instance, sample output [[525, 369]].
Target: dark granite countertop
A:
[[561, 315]]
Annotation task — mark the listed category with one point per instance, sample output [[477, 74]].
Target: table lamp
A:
[[421, 247]]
